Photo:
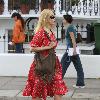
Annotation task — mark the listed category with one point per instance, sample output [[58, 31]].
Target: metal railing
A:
[[88, 29], [60, 35]]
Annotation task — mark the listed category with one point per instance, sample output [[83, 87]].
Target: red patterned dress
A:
[[35, 86]]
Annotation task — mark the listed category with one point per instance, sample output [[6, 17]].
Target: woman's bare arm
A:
[[37, 49], [73, 39], [73, 42]]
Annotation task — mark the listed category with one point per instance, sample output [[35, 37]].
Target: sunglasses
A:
[[52, 17]]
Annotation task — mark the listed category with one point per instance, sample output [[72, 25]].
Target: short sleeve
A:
[[37, 39], [71, 29]]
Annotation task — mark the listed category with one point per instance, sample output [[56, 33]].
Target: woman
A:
[[71, 43], [36, 87], [18, 32]]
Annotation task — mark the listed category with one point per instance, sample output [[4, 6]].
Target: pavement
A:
[[11, 89]]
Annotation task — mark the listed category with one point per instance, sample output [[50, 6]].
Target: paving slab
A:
[[78, 99], [1, 98], [4, 80], [9, 93], [20, 79], [92, 83], [9, 98], [68, 95], [11, 89], [94, 99], [16, 83], [24, 98], [86, 95], [87, 90]]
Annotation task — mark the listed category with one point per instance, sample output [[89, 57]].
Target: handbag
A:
[[45, 65], [71, 50], [79, 38]]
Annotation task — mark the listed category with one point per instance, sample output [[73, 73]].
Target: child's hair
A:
[[19, 17], [68, 18]]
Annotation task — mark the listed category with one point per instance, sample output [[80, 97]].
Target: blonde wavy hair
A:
[[44, 19]]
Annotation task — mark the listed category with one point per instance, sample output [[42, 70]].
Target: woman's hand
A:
[[11, 43], [31, 49], [74, 52], [52, 45], [37, 49]]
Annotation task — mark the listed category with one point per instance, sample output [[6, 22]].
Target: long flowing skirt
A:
[[36, 87]]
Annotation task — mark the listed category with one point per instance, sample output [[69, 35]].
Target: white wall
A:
[[5, 24], [19, 64]]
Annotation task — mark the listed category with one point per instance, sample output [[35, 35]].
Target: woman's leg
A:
[[65, 62], [19, 47], [78, 66], [57, 97]]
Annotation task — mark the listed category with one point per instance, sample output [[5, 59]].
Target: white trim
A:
[[8, 16]]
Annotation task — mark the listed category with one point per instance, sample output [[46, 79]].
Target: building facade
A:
[[84, 12]]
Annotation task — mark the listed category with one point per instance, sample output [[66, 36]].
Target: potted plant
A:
[[1, 7], [73, 2], [25, 6], [47, 4]]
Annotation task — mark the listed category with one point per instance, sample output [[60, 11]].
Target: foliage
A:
[[24, 1], [1, 7], [2, 2], [73, 2]]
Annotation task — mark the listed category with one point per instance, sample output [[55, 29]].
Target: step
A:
[[17, 95], [85, 48]]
